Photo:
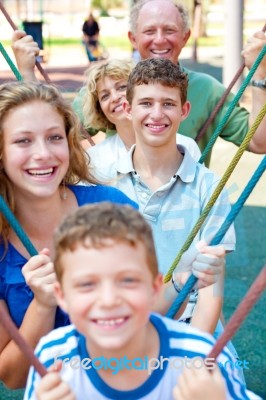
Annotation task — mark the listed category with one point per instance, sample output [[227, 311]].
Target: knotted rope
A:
[[217, 191], [220, 234], [220, 103]]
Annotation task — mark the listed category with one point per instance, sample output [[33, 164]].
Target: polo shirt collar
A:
[[186, 172]]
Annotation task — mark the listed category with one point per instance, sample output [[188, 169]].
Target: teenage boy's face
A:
[[108, 294], [156, 112]]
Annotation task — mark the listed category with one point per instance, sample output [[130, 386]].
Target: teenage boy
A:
[[170, 187], [108, 283]]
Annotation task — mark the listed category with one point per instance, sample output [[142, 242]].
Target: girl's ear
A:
[[127, 109]]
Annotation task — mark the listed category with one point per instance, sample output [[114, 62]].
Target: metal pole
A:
[[233, 41]]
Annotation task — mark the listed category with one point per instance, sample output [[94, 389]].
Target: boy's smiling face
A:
[[156, 112], [109, 293]]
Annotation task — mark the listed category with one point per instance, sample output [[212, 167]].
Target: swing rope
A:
[[25, 348], [14, 27], [10, 63], [177, 303], [221, 102], [20, 78], [17, 228], [236, 320], [232, 105], [217, 191]]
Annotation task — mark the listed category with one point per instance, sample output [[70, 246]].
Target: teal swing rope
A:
[[15, 225], [232, 105], [10, 63], [219, 235]]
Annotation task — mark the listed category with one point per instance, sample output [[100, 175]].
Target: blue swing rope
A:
[[219, 235]]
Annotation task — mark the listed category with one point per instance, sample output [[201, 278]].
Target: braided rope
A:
[[10, 63], [232, 105], [217, 191], [177, 303], [13, 222]]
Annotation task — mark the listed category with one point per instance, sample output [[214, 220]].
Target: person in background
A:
[[91, 32]]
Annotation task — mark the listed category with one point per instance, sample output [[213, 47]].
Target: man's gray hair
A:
[[135, 10]]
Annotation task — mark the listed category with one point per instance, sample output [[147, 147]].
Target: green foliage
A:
[[106, 4]]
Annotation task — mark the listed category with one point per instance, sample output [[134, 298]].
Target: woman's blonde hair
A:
[[92, 112], [15, 94]]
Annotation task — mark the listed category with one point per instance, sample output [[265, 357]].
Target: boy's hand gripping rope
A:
[[220, 234]]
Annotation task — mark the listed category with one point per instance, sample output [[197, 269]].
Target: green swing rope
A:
[[217, 192], [10, 63], [232, 105]]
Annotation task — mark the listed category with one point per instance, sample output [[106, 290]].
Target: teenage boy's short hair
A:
[[92, 226], [157, 70]]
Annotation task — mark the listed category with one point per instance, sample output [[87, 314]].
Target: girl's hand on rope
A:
[[200, 384], [251, 51], [40, 277], [205, 262], [25, 51], [52, 387]]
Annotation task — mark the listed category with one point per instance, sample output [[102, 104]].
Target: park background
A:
[[65, 61]]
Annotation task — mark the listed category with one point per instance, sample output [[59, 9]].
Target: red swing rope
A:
[[25, 348], [248, 302]]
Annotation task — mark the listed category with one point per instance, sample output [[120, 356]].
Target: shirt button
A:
[[144, 195]]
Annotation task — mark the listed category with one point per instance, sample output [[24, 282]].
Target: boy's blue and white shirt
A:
[[173, 209], [176, 340]]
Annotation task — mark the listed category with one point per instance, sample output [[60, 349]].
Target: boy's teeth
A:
[[110, 322], [156, 126], [41, 171]]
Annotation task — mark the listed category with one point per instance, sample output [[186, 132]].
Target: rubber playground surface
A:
[[243, 265]]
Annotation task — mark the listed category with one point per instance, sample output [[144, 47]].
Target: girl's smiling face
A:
[[35, 152]]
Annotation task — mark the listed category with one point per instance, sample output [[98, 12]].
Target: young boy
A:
[[108, 283]]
